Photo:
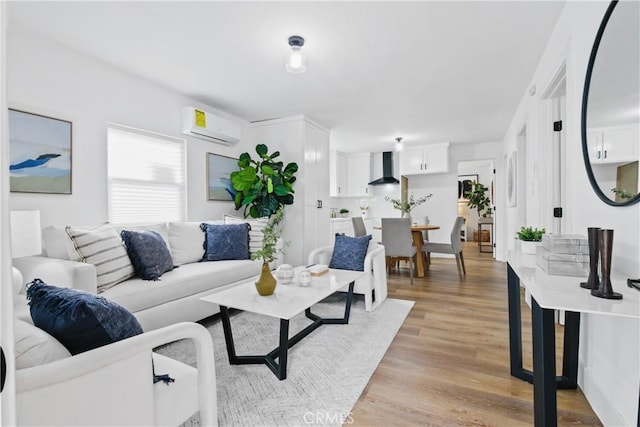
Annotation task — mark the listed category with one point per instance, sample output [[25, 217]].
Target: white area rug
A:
[[327, 371]]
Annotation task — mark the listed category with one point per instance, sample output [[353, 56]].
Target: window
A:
[[146, 176]]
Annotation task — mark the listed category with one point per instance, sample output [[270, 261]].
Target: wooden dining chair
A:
[[398, 242], [359, 228], [455, 247]]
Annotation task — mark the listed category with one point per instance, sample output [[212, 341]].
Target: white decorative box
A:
[[566, 243], [562, 264]]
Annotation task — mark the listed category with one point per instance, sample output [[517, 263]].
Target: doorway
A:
[[479, 227]]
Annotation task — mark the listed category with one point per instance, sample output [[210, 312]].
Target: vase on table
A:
[[593, 281], [406, 214], [266, 283], [605, 290]]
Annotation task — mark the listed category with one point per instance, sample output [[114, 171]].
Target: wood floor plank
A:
[[449, 363]]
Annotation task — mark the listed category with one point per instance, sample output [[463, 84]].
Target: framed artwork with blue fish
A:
[[39, 153], [219, 170]]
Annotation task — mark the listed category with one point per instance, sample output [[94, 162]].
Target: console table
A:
[[550, 293]]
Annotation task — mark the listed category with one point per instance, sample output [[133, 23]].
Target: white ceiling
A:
[[427, 71]]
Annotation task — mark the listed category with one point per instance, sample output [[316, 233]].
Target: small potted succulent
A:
[[344, 212], [529, 239]]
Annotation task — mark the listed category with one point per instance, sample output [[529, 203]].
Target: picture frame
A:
[[219, 168], [465, 183], [512, 163], [40, 149]]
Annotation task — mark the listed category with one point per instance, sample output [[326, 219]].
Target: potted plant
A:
[[264, 186], [530, 238], [477, 199], [406, 207], [344, 212]]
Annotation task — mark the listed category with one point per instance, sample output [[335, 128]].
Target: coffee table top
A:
[[288, 300]]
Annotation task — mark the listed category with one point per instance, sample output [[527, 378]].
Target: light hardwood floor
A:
[[449, 363]]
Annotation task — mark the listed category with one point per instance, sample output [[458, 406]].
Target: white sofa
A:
[[174, 298]]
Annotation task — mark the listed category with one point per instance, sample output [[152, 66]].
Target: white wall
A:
[[610, 351], [49, 79]]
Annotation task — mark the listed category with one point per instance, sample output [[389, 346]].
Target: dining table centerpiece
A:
[[407, 206]]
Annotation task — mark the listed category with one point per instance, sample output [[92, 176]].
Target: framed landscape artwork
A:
[[39, 153], [465, 183], [219, 169]]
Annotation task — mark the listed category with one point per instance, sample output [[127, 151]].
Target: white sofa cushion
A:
[[34, 347], [186, 241], [103, 248], [189, 279], [255, 234]]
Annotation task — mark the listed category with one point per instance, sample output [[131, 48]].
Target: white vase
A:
[[528, 247]]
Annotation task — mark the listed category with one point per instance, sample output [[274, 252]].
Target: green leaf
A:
[[291, 168], [269, 185], [281, 190], [287, 200], [262, 149], [275, 154], [244, 160], [267, 170]]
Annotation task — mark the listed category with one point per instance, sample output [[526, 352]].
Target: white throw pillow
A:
[[255, 234], [103, 248], [186, 241], [34, 347]]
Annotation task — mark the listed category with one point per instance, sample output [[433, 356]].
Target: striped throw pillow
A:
[[255, 233], [103, 248]]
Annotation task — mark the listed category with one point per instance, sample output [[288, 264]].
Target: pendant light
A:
[[295, 62], [399, 143]]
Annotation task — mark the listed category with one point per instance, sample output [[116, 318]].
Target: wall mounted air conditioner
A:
[[209, 127]]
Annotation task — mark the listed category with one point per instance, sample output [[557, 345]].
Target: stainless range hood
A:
[[387, 170]]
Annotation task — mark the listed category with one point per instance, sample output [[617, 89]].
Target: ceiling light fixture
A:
[[295, 61], [399, 143]]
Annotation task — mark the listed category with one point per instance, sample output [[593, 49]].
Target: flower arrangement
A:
[[406, 207]]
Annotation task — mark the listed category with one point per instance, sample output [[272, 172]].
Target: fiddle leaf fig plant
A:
[[477, 198], [263, 185]]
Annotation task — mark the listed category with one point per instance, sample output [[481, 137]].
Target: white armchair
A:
[[112, 385], [374, 267]]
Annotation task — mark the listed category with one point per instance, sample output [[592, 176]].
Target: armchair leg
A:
[[412, 266], [464, 270]]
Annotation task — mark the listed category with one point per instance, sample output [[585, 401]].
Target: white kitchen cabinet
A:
[[350, 174], [426, 159], [338, 175], [358, 174], [613, 145]]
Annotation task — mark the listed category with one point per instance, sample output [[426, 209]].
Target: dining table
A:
[[422, 259]]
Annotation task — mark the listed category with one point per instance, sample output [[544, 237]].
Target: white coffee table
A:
[[287, 301]]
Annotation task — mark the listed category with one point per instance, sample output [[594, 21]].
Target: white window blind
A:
[[146, 176]]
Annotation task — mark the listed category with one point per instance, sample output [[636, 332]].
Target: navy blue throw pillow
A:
[[225, 241], [148, 252], [81, 321], [349, 252]]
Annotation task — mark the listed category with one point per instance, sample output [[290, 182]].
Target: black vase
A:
[[593, 281], [605, 290]]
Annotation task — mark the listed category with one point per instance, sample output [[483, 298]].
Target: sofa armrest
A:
[[320, 255], [59, 272], [82, 372]]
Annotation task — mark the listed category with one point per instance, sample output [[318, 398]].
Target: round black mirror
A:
[[611, 106]]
